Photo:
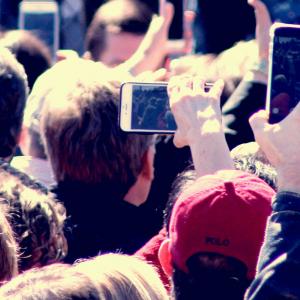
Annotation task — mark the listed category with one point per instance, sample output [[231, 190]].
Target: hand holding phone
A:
[[196, 109], [198, 115], [284, 71]]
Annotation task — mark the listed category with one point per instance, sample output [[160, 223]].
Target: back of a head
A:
[[29, 50], [122, 277], [249, 158], [80, 129], [54, 282], [37, 219], [31, 142], [216, 230], [130, 16], [13, 85]]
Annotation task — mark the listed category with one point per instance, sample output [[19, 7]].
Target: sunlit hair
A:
[[79, 125], [8, 250], [116, 16], [124, 277], [54, 282], [37, 219]]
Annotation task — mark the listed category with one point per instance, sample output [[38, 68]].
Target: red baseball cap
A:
[[224, 213]]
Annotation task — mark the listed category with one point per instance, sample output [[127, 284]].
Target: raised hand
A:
[[281, 143], [198, 117]]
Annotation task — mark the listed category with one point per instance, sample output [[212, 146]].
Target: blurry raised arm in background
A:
[[153, 49]]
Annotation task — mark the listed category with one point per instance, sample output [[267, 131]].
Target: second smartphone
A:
[[284, 71]]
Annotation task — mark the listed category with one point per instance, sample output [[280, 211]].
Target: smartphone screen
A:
[[284, 75], [144, 107], [150, 108], [42, 19]]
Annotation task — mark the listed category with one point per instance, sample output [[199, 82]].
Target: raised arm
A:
[[198, 118], [279, 263]]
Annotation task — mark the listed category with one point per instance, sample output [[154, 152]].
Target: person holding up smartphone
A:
[[278, 267]]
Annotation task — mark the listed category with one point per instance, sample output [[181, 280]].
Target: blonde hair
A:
[[123, 277]]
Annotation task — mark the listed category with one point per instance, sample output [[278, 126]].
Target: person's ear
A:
[[148, 164], [87, 55], [165, 258], [23, 140]]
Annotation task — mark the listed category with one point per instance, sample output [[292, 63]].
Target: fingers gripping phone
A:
[[284, 71], [42, 18], [144, 108]]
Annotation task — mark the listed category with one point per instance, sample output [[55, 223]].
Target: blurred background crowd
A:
[[89, 211]]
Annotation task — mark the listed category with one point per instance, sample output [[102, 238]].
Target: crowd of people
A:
[[89, 211]]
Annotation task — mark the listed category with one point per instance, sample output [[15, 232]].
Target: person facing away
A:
[[103, 174]]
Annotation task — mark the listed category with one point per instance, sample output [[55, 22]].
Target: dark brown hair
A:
[[81, 133], [37, 219], [14, 89], [30, 51]]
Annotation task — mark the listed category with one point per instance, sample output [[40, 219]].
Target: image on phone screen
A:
[[150, 108], [285, 75]]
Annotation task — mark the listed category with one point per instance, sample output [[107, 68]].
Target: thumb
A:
[[177, 140], [259, 121]]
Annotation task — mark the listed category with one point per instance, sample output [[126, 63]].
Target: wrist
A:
[[289, 179], [210, 153]]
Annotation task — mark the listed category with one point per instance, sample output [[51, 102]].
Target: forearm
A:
[[211, 153]]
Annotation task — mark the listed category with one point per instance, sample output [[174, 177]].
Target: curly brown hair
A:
[[36, 217]]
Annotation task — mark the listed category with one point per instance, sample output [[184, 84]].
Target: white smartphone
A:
[[284, 71], [144, 108], [42, 18]]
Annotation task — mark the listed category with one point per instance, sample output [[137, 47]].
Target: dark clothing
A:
[[248, 98], [279, 261], [222, 23], [101, 222], [169, 162]]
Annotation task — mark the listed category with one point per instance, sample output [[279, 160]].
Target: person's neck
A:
[[138, 193]]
